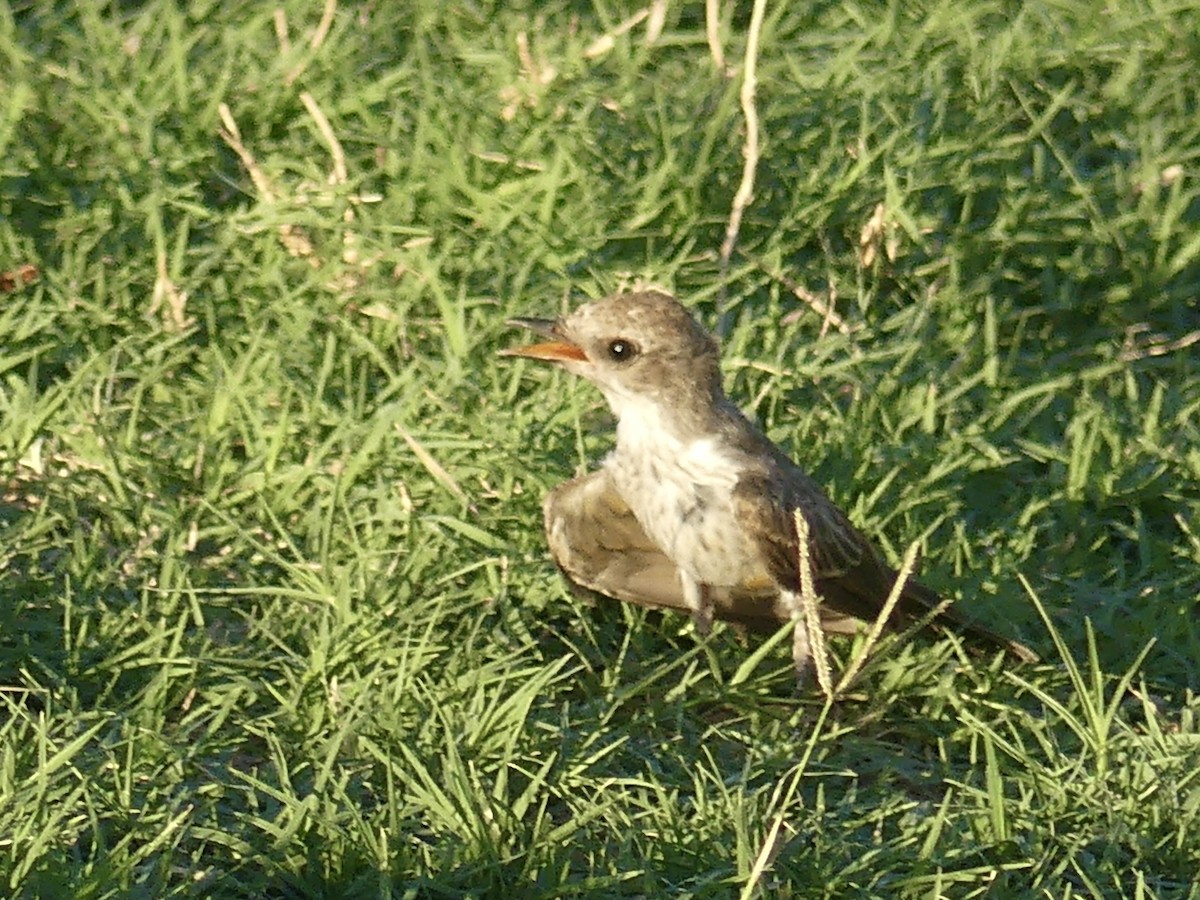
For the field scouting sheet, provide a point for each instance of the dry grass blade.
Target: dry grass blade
(314, 43)
(433, 466)
(1157, 344)
(824, 308)
(881, 620)
(232, 136)
(658, 19)
(168, 294)
(607, 41)
(750, 150)
(811, 609)
(281, 31)
(870, 239)
(767, 853)
(292, 238)
(712, 32)
(339, 173)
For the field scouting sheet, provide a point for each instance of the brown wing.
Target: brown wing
(599, 545)
(849, 576)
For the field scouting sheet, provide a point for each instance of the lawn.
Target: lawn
(277, 617)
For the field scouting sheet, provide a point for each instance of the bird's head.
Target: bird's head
(637, 347)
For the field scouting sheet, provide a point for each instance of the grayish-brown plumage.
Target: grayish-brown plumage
(694, 508)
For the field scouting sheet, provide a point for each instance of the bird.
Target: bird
(695, 508)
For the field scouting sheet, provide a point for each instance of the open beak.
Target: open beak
(554, 350)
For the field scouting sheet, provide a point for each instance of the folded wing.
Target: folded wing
(599, 545)
(848, 574)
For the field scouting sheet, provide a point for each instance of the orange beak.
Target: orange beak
(555, 350)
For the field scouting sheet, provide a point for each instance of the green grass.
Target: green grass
(255, 642)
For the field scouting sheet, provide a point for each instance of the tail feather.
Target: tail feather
(944, 616)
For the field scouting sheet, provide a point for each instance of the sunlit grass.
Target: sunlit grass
(276, 613)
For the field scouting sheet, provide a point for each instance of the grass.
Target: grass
(276, 613)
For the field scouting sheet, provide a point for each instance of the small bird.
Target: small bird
(695, 508)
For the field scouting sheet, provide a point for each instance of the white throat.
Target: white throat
(639, 420)
(643, 434)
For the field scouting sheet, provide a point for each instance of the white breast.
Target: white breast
(681, 494)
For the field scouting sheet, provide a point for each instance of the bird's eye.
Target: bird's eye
(622, 350)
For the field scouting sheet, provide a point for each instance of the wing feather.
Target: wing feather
(599, 546)
(848, 573)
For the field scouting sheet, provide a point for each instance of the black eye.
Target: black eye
(622, 350)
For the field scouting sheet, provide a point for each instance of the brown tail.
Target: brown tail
(942, 615)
